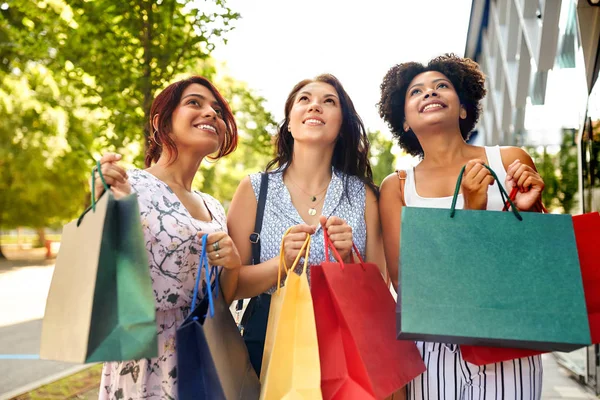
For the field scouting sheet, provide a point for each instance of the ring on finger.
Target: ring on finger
(216, 246)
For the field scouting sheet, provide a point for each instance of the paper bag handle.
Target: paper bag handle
(513, 196)
(305, 246)
(208, 273)
(329, 244)
(98, 169)
(503, 194)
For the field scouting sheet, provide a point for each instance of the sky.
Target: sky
(277, 43)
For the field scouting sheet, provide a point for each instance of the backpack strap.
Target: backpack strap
(401, 174)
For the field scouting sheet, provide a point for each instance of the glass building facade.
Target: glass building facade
(541, 63)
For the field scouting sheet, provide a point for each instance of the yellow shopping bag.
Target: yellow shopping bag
(291, 367)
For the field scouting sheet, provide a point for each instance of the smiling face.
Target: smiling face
(432, 101)
(316, 114)
(197, 122)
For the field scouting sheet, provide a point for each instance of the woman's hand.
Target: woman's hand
(114, 176)
(340, 234)
(475, 182)
(529, 183)
(293, 241)
(221, 250)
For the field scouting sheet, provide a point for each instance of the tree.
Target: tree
(559, 172)
(256, 127)
(42, 174)
(380, 155)
(117, 53)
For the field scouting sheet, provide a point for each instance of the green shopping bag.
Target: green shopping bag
(100, 305)
(490, 278)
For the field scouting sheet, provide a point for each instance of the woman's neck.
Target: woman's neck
(443, 148)
(310, 170)
(180, 172)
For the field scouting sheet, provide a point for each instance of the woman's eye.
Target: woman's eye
(194, 102)
(218, 111)
(415, 91)
(330, 101)
(443, 85)
(303, 98)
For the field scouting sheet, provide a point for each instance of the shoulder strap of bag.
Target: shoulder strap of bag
(260, 211)
(255, 236)
(402, 180)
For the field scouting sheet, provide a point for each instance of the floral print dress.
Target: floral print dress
(173, 251)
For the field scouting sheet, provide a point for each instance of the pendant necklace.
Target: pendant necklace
(312, 210)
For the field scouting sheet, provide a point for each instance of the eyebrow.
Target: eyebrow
(214, 103)
(434, 81)
(327, 95)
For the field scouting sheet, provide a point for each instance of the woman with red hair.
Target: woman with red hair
(190, 121)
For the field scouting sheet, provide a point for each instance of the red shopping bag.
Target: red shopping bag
(355, 319)
(587, 230)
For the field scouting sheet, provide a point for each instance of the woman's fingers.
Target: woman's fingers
(110, 157)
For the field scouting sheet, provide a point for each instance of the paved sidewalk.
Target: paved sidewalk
(559, 384)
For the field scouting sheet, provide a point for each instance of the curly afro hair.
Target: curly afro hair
(466, 77)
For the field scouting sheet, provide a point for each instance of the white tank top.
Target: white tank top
(412, 198)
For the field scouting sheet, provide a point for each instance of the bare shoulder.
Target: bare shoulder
(245, 190)
(371, 197)
(390, 181)
(390, 188)
(512, 153)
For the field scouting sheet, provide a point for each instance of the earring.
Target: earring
(463, 113)
(153, 137)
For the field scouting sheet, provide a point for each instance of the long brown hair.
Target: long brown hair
(351, 151)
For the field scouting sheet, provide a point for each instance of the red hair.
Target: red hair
(166, 102)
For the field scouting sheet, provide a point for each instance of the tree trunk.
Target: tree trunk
(41, 237)
(2, 256)
(147, 86)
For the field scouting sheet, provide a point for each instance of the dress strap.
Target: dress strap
(401, 174)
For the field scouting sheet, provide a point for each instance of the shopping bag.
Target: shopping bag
(587, 232)
(100, 305)
(355, 315)
(490, 278)
(212, 360)
(290, 368)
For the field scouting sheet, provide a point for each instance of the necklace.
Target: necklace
(313, 197)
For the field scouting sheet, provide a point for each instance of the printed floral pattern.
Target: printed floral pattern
(173, 250)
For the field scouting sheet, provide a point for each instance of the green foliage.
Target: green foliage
(255, 146)
(559, 171)
(381, 157)
(78, 78)
(118, 54)
(40, 171)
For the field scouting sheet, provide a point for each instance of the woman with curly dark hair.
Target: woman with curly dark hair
(431, 110)
(319, 179)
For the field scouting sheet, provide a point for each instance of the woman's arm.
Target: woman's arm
(252, 280)
(240, 224)
(375, 252)
(390, 210)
